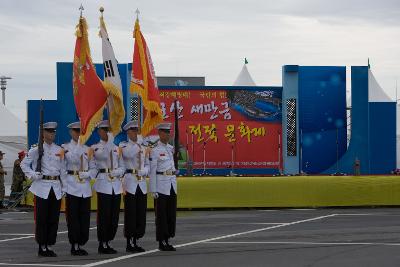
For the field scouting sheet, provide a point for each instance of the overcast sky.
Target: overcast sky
(200, 38)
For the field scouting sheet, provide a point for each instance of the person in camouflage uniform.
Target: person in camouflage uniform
(2, 173)
(18, 176)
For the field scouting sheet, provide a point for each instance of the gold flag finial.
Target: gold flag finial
(137, 13)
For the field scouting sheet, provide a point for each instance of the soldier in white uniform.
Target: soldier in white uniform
(78, 189)
(136, 165)
(46, 187)
(108, 171)
(163, 187)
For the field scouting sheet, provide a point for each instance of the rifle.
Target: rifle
(176, 137)
(41, 139)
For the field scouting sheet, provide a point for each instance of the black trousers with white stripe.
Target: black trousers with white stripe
(47, 214)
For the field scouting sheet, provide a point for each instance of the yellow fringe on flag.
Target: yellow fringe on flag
(82, 32)
(117, 114)
(98, 116)
(150, 106)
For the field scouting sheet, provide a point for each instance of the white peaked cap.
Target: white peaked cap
(103, 124)
(131, 124)
(74, 125)
(50, 125)
(164, 126)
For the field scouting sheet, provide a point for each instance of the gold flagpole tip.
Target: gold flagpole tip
(137, 13)
(101, 9)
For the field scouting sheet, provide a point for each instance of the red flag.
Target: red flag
(144, 83)
(89, 94)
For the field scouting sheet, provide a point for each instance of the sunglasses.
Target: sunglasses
(165, 131)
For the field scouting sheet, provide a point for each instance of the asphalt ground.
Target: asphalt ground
(286, 237)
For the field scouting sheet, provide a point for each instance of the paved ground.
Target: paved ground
(323, 237)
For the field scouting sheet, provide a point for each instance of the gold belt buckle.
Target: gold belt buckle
(79, 179)
(110, 178)
(169, 172)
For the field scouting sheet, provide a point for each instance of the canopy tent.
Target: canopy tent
(12, 139)
(244, 78)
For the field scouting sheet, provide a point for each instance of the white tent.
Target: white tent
(12, 140)
(377, 94)
(10, 124)
(244, 78)
(375, 91)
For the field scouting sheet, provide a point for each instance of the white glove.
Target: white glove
(115, 173)
(176, 172)
(63, 191)
(84, 175)
(142, 173)
(37, 176)
(155, 195)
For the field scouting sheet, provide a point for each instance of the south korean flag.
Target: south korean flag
(113, 79)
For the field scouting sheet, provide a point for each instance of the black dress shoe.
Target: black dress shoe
(171, 248)
(102, 250)
(75, 252)
(111, 250)
(43, 253)
(82, 252)
(139, 249)
(162, 246)
(130, 248)
(51, 253)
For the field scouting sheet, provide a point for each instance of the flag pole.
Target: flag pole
(101, 9)
(81, 9)
(139, 113)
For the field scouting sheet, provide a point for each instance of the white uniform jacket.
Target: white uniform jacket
(162, 160)
(52, 165)
(130, 153)
(76, 160)
(102, 154)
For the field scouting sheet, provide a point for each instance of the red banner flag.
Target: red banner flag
(89, 93)
(144, 83)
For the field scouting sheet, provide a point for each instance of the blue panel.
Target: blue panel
(322, 117)
(65, 99)
(382, 137)
(359, 142)
(290, 81)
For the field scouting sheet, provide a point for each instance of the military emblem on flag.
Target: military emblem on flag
(90, 97)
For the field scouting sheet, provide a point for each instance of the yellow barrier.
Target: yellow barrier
(294, 191)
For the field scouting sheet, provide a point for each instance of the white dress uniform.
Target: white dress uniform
(79, 191)
(102, 161)
(136, 162)
(108, 171)
(162, 169)
(164, 188)
(72, 184)
(46, 187)
(130, 156)
(52, 166)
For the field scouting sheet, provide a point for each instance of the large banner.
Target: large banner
(227, 128)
